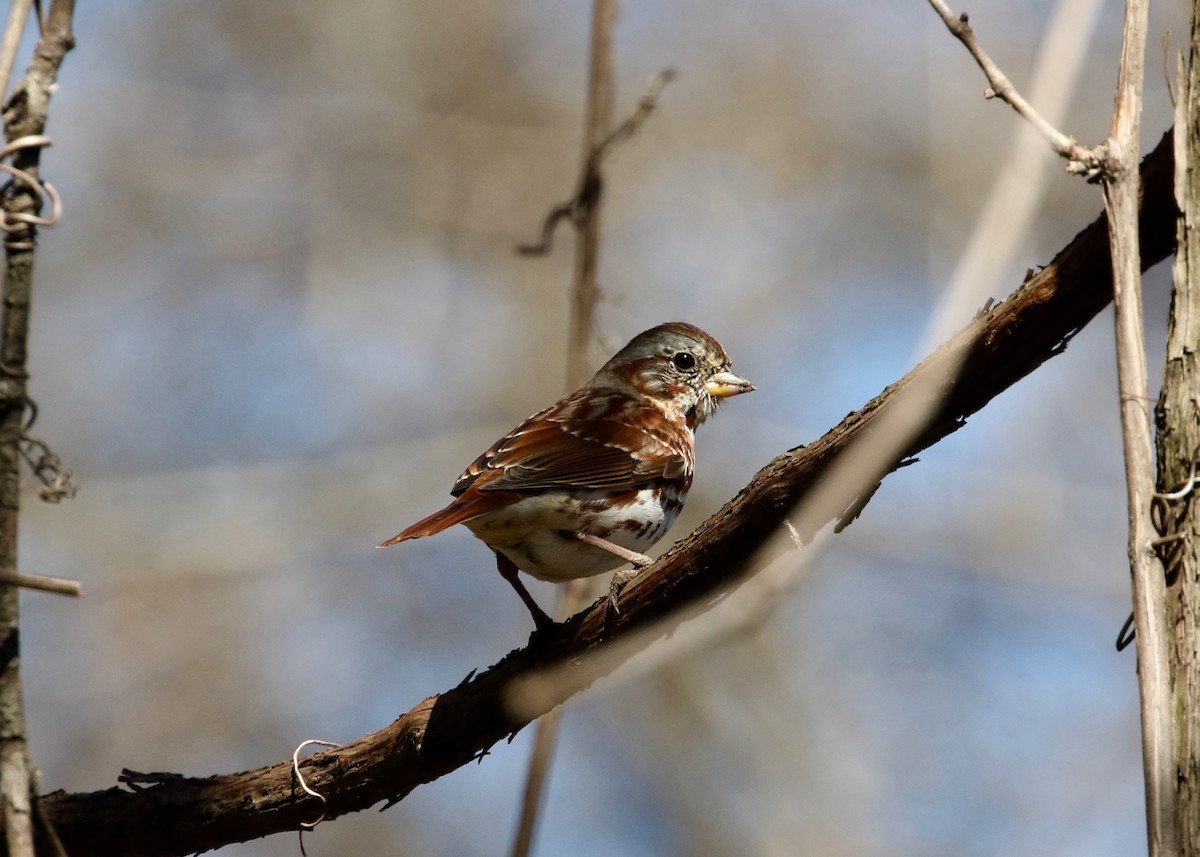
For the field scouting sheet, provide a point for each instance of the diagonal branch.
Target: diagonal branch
(1080, 159)
(169, 814)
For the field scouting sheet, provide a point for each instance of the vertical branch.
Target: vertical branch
(1177, 515)
(584, 295)
(24, 115)
(1122, 183)
(597, 124)
(1115, 163)
(14, 29)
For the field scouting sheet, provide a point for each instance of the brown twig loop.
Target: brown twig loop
(27, 142)
(57, 482)
(1187, 487)
(1169, 544)
(37, 219)
(19, 224)
(1126, 635)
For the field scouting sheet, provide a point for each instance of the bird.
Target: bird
(591, 482)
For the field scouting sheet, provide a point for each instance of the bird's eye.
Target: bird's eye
(684, 361)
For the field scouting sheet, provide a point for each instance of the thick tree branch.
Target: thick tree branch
(1177, 512)
(170, 814)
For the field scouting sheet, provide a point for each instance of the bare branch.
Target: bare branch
(646, 106)
(14, 29)
(1121, 193)
(590, 185)
(1114, 162)
(1080, 159)
(25, 115)
(57, 585)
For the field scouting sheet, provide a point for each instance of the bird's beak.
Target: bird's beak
(726, 384)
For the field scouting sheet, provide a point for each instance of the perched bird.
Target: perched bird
(595, 479)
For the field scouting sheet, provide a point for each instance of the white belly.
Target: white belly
(538, 533)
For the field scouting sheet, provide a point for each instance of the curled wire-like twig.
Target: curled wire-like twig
(1126, 635)
(1187, 486)
(309, 825)
(19, 224)
(1170, 541)
(57, 482)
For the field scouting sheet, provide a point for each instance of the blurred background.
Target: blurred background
(284, 311)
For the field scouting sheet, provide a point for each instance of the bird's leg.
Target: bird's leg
(508, 570)
(637, 560)
(620, 578)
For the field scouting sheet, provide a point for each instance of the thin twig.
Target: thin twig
(630, 126)
(575, 595)
(42, 583)
(1010, 208)
(589, 187)
(14, 29)
(1080, 159)
(1166, 45)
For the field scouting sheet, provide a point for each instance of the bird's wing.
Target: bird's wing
(566, 446)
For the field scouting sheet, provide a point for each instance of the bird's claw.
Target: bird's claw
(619, 581)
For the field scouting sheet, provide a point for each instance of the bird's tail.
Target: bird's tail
(456, 513)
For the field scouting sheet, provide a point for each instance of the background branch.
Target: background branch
(179, 815)
(14, 30)
(581, 331)
(1121, 187)
(25, 115)
(1114, 163)
(1079, 158)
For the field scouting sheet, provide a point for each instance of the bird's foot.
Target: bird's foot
(620, 580)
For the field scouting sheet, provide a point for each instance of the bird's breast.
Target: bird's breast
(538, 533)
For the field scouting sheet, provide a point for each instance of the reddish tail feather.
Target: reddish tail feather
(462, 509)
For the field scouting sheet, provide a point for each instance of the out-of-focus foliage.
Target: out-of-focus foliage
(284, 311)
